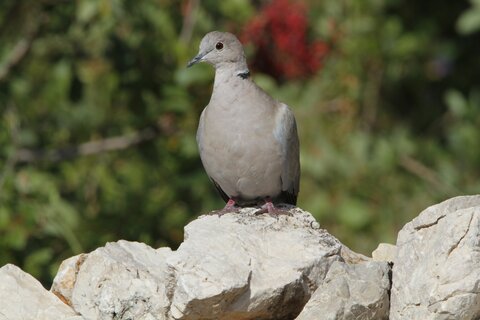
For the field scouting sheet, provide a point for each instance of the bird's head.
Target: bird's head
(220, 48)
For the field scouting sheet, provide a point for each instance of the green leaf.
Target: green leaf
(86, 10)
(469, 21)
(456, 102)
(354, 213)
(4, 217)
(35, 262)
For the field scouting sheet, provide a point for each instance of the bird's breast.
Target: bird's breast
(239, 151)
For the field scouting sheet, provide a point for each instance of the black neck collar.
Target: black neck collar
(244, 74)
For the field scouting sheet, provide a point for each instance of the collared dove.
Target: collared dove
(248, 141)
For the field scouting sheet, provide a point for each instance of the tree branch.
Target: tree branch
(189, 21)
(419, 169)
(18, 52)
(87, 148)
(12, 119)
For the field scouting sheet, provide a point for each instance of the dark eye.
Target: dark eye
(219, 46)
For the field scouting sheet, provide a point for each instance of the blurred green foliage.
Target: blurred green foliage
(389, 126)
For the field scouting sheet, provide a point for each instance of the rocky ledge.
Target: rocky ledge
(244, 266)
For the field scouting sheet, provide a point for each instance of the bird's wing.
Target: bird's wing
(200, 133)
(286, 134)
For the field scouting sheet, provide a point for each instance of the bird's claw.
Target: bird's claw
(230, 207)
(271, 210)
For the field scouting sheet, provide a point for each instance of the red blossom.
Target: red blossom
(279, 35)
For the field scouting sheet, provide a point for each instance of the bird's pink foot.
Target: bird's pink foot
(229, 207)
(273, 211)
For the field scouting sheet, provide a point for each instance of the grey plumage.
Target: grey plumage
(248, 141)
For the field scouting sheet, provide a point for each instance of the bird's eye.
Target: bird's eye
(219, 46)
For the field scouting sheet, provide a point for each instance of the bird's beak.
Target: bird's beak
(196, 59)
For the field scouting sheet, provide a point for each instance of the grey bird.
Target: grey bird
(248, 141)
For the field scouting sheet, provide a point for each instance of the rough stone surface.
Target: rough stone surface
(351, 292)
(385, 252)
(237, 266)
(243, 266)
(23, 297)
(123, 280)
(437, 269)
(352, 257)
(66, 277)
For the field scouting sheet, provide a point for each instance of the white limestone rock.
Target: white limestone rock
(244, 266)
(66, 277)
(23, 297)
(351, 292)
(237, 266)
(437, 269)
(123, 280)
(352, 257)
(385, 252)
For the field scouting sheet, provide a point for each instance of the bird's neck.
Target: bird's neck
(230, 82)
(228, 71)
